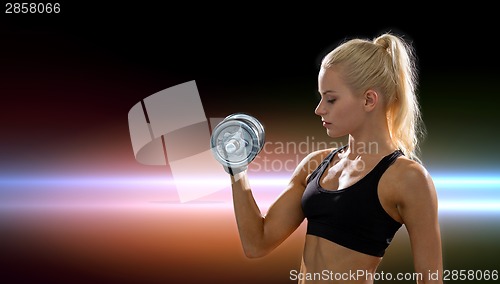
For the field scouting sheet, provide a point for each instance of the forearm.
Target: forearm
(249, 218)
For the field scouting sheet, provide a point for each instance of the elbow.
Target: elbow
(255, 251)
(254, 254)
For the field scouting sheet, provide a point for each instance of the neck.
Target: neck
(374, 141)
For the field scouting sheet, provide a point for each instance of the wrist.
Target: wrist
(240, 178)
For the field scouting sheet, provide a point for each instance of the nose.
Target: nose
(320, 109)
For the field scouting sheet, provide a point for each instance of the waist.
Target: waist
(324, 257)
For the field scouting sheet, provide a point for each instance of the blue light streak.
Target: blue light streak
(455, 193)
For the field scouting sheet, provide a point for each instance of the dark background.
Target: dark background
(68, 80)
(67, 75)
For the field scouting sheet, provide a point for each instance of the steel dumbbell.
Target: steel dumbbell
(236, 141)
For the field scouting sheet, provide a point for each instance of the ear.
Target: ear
(371, 99)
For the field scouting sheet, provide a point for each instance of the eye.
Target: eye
(331, 101)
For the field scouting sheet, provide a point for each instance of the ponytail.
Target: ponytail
(403, 110)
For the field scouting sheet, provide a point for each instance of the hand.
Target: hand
(234, 171)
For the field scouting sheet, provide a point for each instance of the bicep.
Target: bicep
(285, 215)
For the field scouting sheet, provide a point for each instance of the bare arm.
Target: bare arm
(418, 208)
(261, 234)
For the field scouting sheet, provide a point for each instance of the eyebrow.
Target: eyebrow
(327, 92)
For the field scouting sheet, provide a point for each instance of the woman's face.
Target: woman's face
(339, 108)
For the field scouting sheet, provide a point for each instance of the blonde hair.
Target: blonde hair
(387, 65)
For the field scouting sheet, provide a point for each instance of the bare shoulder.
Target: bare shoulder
(410, 180)
(309, 163)
(409, 171)
(316, 157)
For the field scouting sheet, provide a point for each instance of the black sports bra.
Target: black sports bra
(352, 217)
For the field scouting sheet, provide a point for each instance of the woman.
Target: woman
(362, 193)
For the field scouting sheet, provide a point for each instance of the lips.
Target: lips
(325, 124)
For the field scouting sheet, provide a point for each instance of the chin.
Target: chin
(333, 134)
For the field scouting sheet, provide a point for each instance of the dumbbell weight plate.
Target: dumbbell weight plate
(237, 140)
(245, 145)
(259, 129)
